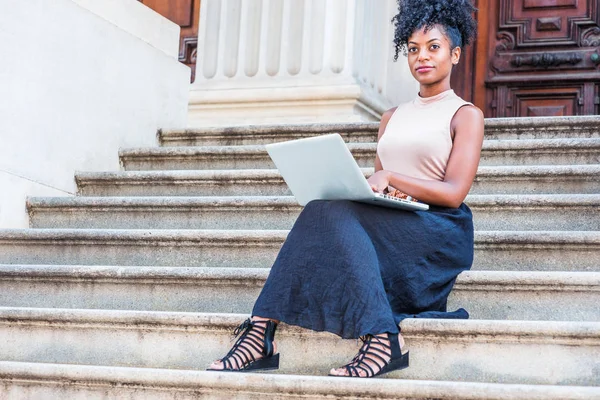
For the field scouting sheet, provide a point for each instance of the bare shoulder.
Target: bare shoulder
(468, 119)
(385, 118)
(388, 114)
(468, 114)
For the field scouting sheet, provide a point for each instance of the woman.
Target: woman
(357, 270)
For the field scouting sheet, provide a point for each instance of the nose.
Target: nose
(423, 54)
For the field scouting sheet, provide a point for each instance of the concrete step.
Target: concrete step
(491, 212)
(495, 128)
(541, 152)
(531, 352)
(545, 296)
(262, 134)
(26, 381)
(494, 152)
(494, 250)
(582, 179)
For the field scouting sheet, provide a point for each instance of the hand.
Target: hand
(379, 181)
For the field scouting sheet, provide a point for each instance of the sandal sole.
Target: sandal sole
(264, 364)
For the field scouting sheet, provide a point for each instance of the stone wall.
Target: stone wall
(79, 80)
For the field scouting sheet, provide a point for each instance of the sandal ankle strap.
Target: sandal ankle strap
(395, 345)
(269, 337)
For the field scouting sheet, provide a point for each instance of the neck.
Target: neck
(435, 88)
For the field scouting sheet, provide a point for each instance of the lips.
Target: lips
(424, 68)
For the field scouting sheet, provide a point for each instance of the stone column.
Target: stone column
(296, 61)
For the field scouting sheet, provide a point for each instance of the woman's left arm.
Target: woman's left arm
(467, 126)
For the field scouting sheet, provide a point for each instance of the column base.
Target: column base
(283, 105)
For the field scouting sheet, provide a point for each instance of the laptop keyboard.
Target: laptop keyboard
(387, 196)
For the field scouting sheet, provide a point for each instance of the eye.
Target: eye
(435, 47)
(412, 49)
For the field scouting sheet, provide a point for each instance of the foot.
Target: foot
(250, 347)
(371, 358)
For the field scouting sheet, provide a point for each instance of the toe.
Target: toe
(216, 365)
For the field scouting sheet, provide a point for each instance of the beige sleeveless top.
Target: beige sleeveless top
(417, 139)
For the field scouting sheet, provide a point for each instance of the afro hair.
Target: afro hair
(455, 16)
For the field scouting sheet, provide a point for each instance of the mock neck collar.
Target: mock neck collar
(424, 101)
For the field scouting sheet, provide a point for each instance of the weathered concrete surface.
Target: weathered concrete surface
(549, 296)
(262, 134)
(495, 128)
(490, 212)
(494, 250)
(26, 381)
(83, 45)
(566, 179)
(469, 350)
(519, 295)
(543, 127)
(537, 179)
(494, 152)
(567, 151)
(536, 225)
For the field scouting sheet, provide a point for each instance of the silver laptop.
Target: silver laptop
(322, 168)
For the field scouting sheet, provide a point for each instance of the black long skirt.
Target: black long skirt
(354, 269)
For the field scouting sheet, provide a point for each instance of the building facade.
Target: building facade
(531, 57)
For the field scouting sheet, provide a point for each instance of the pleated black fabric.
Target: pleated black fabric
(354, 269)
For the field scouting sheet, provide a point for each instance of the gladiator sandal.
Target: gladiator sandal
(253, 335)
(377, 356)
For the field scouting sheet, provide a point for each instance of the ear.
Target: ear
(455, 56)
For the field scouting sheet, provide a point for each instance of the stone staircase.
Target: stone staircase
(132, 288)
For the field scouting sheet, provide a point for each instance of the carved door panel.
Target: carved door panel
(543, 58)
(184, 13)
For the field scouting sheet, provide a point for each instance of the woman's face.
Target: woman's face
(429, 56)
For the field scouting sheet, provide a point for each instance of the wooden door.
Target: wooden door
(534, 58)
(186, 14)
